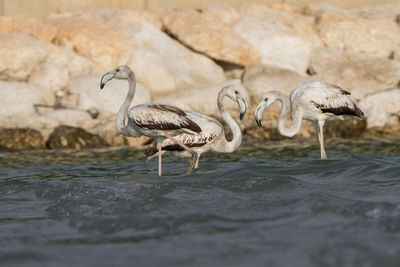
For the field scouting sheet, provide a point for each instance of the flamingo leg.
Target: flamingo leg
(196, 164)
(321, 139)
(188, 149)
(159, 160)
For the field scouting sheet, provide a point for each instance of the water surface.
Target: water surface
(269, 204)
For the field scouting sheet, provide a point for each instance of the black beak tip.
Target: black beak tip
(258, 123)
(101, 85)
(241, 116)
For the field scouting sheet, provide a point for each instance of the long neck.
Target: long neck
(283, 119)
(123, 110)
(228, 146)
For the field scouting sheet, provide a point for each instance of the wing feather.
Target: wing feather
(329, 98)
(161, 117)
(211, 130)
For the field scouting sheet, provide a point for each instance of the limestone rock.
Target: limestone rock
(23, 58)
(84, 90)
(208, 36)
(163, 65)
(102, 44)
(64, 58)
(287, 7)
(27, 25)
(69, 117)
(325, 13)
(221, 12)
(65, 137)
(20, 53)
(373, 37)
(50, 76)
(121, 18)
(303, 25)
(24, 138)
(21, 98)
(384, 11)
(382, 108)
(355, 72)
(278, 44)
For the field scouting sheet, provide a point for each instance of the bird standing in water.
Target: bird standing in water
(212, 137)
(316, 102)
(153, 120)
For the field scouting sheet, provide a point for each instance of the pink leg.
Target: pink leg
(188, 149)
(159, 160)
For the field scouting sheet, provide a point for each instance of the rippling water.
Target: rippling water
(269, 204)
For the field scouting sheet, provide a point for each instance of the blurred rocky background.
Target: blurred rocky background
(183, 52)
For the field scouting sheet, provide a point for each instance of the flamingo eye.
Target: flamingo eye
(266, 99)
(236, 92)
(117, 70)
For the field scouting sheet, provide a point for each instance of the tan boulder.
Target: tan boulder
(206, 35)
(49, 75)
(163, 65)
(27, 25)
(325, 13)
(67, 59)
(26, 58)
(303, 25)
(21, 98)
(105, 46)
(287, 7)
(121, 18)
(373, 37)
(382, 109)
(221, 12)
(278, 44)
(384, 11)
(353, 71)
(20, 53)
(60, 64)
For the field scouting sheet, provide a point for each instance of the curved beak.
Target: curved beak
(242, 105)
(259, 111)
(106, 77)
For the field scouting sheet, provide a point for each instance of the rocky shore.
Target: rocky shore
(50, 70)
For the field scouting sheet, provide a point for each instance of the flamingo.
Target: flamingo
(153, 120)
(316, 102)
(212, 137)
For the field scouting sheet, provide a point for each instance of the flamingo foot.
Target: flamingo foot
(193, 161)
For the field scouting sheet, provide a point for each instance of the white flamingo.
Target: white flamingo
(212, 137)
(315, 101)
(153, 120)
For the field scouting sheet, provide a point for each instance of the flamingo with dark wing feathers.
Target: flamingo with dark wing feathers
(212, 137)
(157, 121)
(316, 102)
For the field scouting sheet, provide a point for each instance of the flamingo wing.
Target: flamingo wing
(329, 98)
(211, 130)
(162, 117)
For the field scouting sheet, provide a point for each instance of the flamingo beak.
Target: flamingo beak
(106, 77)
(242, 105)
(259, 111)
